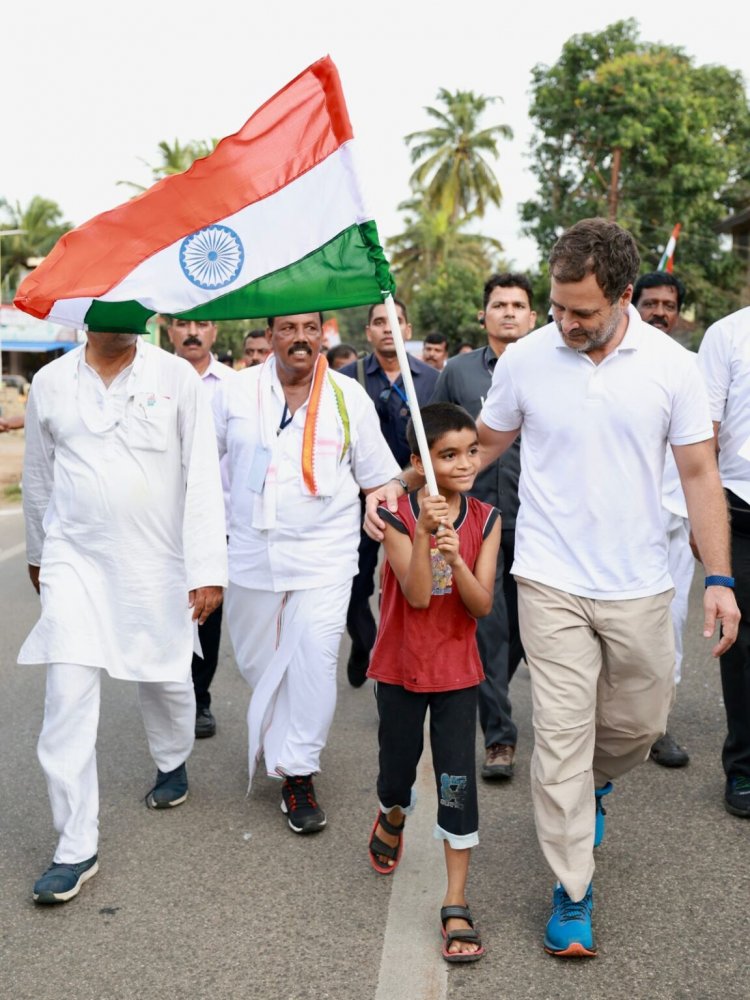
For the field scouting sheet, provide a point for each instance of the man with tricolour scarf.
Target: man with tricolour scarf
(301, 441)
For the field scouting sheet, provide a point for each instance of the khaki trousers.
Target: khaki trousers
(602, 681)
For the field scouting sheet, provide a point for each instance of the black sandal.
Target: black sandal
(380, 849)
(470, 934)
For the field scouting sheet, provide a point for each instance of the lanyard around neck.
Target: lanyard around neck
(391, 386)
(286, 418)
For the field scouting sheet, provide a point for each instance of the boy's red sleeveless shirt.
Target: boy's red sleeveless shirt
(434, 648)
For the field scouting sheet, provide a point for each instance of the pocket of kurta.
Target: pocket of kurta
(148, 433)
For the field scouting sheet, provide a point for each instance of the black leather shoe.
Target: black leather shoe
(205, 724)
(356, 667)
(667, 753)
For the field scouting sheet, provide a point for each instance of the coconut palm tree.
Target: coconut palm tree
(451, 156)
(175, 159)
(430, 240)
(42, 226)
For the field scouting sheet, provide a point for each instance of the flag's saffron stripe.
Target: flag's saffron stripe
(349, 270)
(296, 129)
(311, 424)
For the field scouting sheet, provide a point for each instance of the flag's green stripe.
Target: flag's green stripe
(117, 317)
(350, 270)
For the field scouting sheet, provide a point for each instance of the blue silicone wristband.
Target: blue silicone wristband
(720, 581)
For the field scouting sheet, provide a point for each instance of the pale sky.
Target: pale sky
(91, 87)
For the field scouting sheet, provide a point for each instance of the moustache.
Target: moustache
(300, 346)
(191, 342)
(659, 321)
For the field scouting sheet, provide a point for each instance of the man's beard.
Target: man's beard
(596, 339)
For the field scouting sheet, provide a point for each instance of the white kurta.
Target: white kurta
(315, 538)
(124, 514)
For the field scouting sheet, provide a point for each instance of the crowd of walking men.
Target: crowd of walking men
(598, 437)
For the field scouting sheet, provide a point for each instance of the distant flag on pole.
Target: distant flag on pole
(273, 219)
(667, 258)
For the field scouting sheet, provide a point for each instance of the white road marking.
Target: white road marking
(13, 551)
(411, 965)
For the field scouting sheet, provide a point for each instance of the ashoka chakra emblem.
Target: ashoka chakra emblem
(212, 257)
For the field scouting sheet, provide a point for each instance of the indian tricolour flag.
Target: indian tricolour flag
(272, 222)
(667, 258)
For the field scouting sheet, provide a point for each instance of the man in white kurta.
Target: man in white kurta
(126, 544)
(301, 441)
(193, 340)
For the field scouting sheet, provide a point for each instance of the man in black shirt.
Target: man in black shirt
(507, 316)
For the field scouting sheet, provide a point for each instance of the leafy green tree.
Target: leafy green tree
(451, 157)
(448, 302)
(440, 269)
(42, 223)
(636, 132)
(174, 159)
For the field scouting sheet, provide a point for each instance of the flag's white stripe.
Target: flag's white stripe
(274, 232)
(70, 312)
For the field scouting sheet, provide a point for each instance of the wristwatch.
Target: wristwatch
(401, 482)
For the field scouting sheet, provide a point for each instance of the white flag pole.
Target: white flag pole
(411, 396)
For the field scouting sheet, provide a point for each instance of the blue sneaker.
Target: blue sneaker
(601, 812)
(171, 789)
(62, 881)
(737, 796)
(569, 933)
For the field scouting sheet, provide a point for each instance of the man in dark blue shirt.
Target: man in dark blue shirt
(380, 375)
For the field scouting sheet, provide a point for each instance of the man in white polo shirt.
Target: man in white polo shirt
(193, 341)
(598, 397)
(724, 359)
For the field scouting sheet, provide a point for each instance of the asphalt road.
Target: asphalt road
(219, 899)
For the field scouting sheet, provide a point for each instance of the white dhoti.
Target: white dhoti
(67, 747)
(286, 646)
(681, 569)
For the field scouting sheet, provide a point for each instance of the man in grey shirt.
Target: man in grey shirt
(506, 316)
